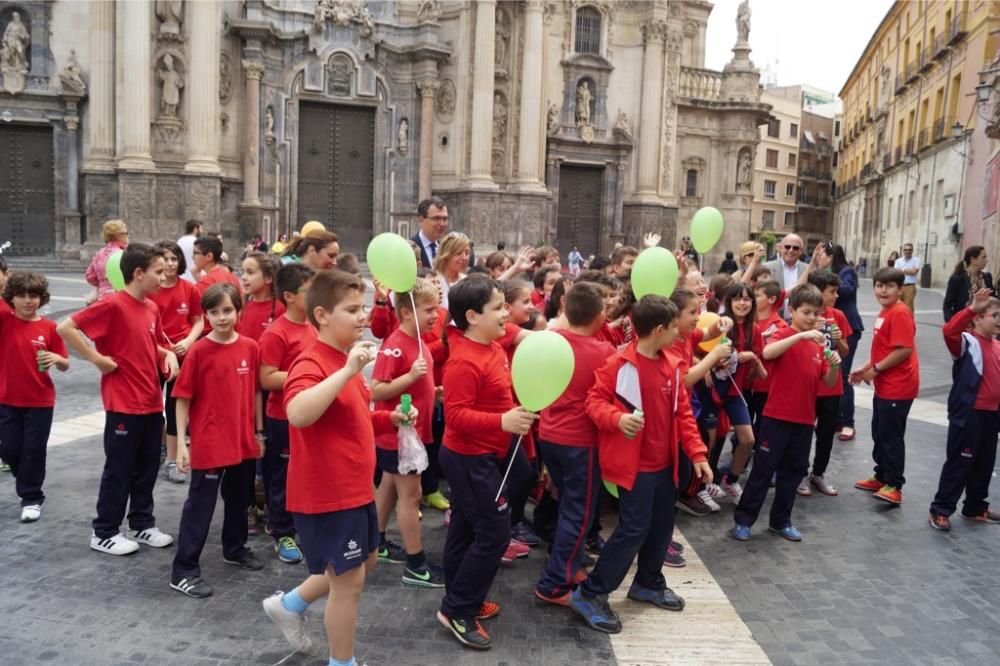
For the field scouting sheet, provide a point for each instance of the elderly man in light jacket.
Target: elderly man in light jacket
(787, 269)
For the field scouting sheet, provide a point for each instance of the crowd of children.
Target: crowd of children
(648, 411)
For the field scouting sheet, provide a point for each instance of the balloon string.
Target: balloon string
(738, 391)
(509, 465)
(416, 322)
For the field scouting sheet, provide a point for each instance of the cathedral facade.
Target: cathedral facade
(586, 122)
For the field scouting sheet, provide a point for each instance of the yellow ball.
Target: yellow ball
(311, 227)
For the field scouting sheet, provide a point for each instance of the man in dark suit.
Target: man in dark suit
(432, 213)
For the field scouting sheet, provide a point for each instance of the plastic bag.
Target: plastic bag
(412, 454)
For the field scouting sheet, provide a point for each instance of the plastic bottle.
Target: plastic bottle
(41, 366)
(827, 354)
(405, 402)
(638, 413)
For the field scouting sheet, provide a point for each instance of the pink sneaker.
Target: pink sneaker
(515, 550)
(447, 518)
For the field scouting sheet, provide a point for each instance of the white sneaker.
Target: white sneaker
(292, 625)
(714, 491)
(819, 482)
(707, 500)
(30, 513)
(804, 488)
(116, 545)
(734, 490)
(173, 474)
(152, 537)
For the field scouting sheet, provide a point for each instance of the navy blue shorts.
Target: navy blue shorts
(737, 411)
(388, 461)
(343, 539)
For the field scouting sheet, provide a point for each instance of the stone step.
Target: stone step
(46, 264)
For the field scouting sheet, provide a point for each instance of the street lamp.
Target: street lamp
(983, 91)
(957, 130)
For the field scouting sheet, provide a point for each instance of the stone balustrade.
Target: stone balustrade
(700, 83)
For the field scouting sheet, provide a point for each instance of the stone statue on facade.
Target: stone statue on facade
(444, 102)
(172, 83)
(622, 124)
(14, 54)
(583, 98)
(503, 35)
(552, 119)
(403, 137)
(743, 22)
(429, 11)
(343, 13)
(70, 78)
(170, 14)
(269, 125)
(499, 118)
(744, 176)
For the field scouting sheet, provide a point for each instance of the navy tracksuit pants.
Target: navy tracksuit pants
(478, 534)
(971, 455)
(575, 472)
(196, 518)
(645, 526)
(888, 432)
(275, 472)
(783, 448)
(24, 439)
(131, 464)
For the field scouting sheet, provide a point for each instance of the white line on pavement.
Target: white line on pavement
(78, 427)
(925, 411)
(56, 278)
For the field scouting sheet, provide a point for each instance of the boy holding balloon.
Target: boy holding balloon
(642, 411)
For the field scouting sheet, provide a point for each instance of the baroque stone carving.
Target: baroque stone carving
(743, 22)
(444, 102)
(170, 14)
(269, 125)
(225, 78)
(70, 78)
(499, 118)
(622, 123)
(552, 118)
(340, 72)
(224, 122)
(343, 13)
(172, 82)
(584, 96)
(744, 172)
(428, 11)
(502, 41)
(254, 69)
(654, 31)
(14, 54)
(403, 137)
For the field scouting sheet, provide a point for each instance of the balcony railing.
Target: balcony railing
(942, 128)
(909, 146)
(824, 176)
(806, 146)
(866, 171)
(700, 83)
(923, 138)
(824, 150)
(926, 59)
(901, 83)
(887, 161)
(957, 28)
(911, 71)
(898, 155)
(940, 47)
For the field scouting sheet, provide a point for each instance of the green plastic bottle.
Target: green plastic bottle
(405, 402)
(41, 366)
(638, 413)
(827, 354)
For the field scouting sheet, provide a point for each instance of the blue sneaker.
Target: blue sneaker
(287, 550)
(596, 613)
(524, 533)
(789, 532)
(741, 532)
(665, 598)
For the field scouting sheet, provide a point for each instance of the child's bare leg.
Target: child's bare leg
(408, 511)
(385, 500)
(342, 609)
(171, 448)
(744, 445)
(314, 587)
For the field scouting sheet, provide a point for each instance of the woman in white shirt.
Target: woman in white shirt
(451, 262)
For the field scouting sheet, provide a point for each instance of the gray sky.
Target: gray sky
(816, 42)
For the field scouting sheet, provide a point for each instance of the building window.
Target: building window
(692, 183)
(792, 158)
(789, 189)
(770, 186)
(767, 220)
(774, 127)
(772, 159)
(836, 128)
(789, 220)
(588, 30)
(793, 130)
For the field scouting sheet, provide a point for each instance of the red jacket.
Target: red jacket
(618, 455)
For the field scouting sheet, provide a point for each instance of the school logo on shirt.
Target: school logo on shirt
(352, 552)
(243, 369)
(120, 430)
(39, 342)
(765, 445)
(395, 353)
(966, 453)
(182, 309)
(501, 504)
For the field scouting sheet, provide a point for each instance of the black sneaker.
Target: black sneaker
(595, 545)
(390, 551)
(245, 559)
(469, 634)
(587, 562)
(193, 587)
(430, 575)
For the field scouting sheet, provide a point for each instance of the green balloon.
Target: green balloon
(541, 370)
(113, 271)
(706, 229)
(391, 261)
(611, 488)
(654, 272)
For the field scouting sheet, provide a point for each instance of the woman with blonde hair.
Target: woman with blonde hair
(752, 254)
(115, 238)
(451, 262)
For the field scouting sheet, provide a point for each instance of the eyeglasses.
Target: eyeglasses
(793, 247)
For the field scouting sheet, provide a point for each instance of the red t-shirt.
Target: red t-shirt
(768, 327)
(740, 377)
(834, 316)
(894, 328)
(565, 421)
(180, 307)
(129, 331)
(21, 384)
(221, 382)
(217, 274)
(613, 335)
(988, 397)
(477, 393)
(538, 300)
(257, 316)
(795, 376)
(280, 345)
(332, 461)
(4, 307)
(397, 354)
(657, 449)
(506, 341)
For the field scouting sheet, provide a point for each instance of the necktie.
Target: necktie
(433, 247)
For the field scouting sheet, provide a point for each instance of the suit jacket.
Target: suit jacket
(777, 268)
(424, 259)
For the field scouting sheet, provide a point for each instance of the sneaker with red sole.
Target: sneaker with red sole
(557, 600)
(988, 516)
(579, 577)
(871, 484)
(515, 550)
(939, 522)
(488, 610)
(889, 494)
(469, 634)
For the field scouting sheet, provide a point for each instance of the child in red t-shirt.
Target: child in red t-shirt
(480, 417)
(180, 311)
(332, 463)
(798, 367)
(544, 279)
(263, 302)
(280, 345)
(895, 370)
(227, 436)
(29, 348)
(568, 444)
(639, 453)
(207, 255)
(768, 294)
(836, 330)
(130, 351)
(405, 365)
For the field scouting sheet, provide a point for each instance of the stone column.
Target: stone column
(481, 171)
(72, 164)
(101, 101)
(251, 141)
(653, 36)
(137, 98)
(203, 88)
(428, 90)
(531, 96)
